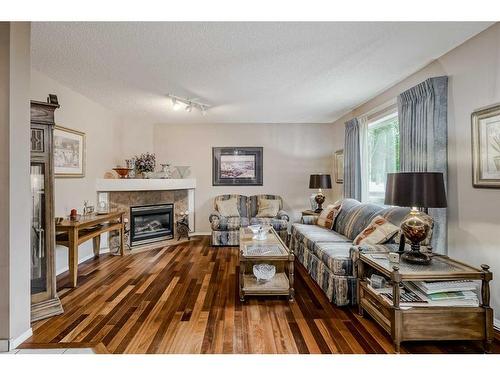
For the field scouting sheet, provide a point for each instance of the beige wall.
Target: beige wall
(291, 153)
(474, 82)
(99, 125)
(14, 183)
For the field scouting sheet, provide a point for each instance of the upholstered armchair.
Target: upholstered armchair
(226, 229)
(278, 222)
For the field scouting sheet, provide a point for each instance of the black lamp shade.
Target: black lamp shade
(320, 181)
(415, 189)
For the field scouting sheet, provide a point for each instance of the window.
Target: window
(382, 154)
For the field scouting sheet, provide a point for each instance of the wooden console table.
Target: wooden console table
(426, 323)
(73, 233)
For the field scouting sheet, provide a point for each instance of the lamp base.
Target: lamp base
(416, 257)
(320, 199)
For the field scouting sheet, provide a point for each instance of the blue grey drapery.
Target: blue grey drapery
(352, 160)
(422, 112)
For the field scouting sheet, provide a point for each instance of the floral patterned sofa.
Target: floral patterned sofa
(226, 230)
(329, 255)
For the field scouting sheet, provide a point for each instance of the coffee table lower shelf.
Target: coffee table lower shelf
(279, 285)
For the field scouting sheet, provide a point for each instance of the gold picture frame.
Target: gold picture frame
(486, 147)
(69, 153)
(339, 166)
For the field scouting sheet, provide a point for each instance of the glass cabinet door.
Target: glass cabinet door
(38, 240)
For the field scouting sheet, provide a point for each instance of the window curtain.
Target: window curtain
(363, 143)
(352, 160)
(422, 112)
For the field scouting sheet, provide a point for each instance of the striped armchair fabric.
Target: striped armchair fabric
(329, 255)
(226, 230)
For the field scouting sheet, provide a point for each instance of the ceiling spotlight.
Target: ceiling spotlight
(189, 104)
(175, 104)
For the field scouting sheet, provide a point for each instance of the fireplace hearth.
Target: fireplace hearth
(151, 223)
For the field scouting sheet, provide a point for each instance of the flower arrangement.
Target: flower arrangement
(145, 163)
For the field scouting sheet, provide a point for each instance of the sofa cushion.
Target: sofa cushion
(277, 224)
(354, 217)
(268, 207)
(241, 202)
(228, 207)
(230, 223)
(336, 256)
(310, 234)
(379, 230)
(253, 203)
(327, 217)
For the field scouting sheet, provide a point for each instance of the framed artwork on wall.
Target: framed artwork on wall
(69, 152)
(237, 166)
(486, 147)
(339, 166)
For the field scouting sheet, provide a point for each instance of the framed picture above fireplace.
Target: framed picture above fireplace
(237, 166)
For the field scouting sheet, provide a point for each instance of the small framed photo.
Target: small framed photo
(486, 147)
(237, 166)
(339, 166)
(69, 152)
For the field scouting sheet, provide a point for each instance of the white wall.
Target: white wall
(15, 297)
(474, 82)
(100, 126)
(291, 153)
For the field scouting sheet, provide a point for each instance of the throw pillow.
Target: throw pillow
(327, 217)
(228, 207)
(268, 207)
(379, 230)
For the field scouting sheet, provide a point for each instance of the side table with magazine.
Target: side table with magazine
(445, 300)
(266, 265)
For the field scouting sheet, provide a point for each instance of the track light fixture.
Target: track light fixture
(189, 104)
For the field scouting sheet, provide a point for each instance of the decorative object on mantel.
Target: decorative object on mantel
(182, 226)
(131, 166)
(183, 171)
(339, 166)
(240, 166)
(69, 152)
(122, 172)
(166, 171)
(486, 147)
(320, 181)
(415, 189)
(145, 164)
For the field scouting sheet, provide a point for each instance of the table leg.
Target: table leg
(122, 237)
(73, 257)
(96, 244)
(242, 270)
(291, 279)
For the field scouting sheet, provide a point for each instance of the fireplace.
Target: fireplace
(151, 223)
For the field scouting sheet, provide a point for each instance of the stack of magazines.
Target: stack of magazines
(435, 293)
(445, 293)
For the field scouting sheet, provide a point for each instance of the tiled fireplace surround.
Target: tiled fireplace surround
(123, 195)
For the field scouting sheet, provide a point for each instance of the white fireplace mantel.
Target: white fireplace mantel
(146, 184)
(105, 186)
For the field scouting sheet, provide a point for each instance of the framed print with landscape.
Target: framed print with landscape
(339, 166)
(69, 152)
(241, 166)
(486, 147)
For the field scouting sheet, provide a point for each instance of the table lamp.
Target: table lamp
(415, 190)
(320, 181)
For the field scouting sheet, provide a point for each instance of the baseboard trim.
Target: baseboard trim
(90, 256)
(15, 342)
(194, 234)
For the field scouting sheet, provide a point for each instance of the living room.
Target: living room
(242, 188)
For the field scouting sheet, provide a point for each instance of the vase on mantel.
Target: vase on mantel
(147, 175)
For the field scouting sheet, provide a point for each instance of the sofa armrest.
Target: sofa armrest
(214, 215)
(309, 219)
(283, 215)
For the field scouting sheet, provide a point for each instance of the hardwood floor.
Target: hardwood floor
(184, 299)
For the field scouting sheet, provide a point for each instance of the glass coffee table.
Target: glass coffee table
(271, 250)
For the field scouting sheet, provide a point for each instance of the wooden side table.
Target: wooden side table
(431, 322)
(74, 233)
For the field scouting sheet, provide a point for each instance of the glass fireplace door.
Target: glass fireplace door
(39, 263)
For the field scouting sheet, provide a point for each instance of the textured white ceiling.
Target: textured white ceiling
(249, 72)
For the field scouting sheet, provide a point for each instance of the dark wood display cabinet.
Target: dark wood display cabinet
(44, 299)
